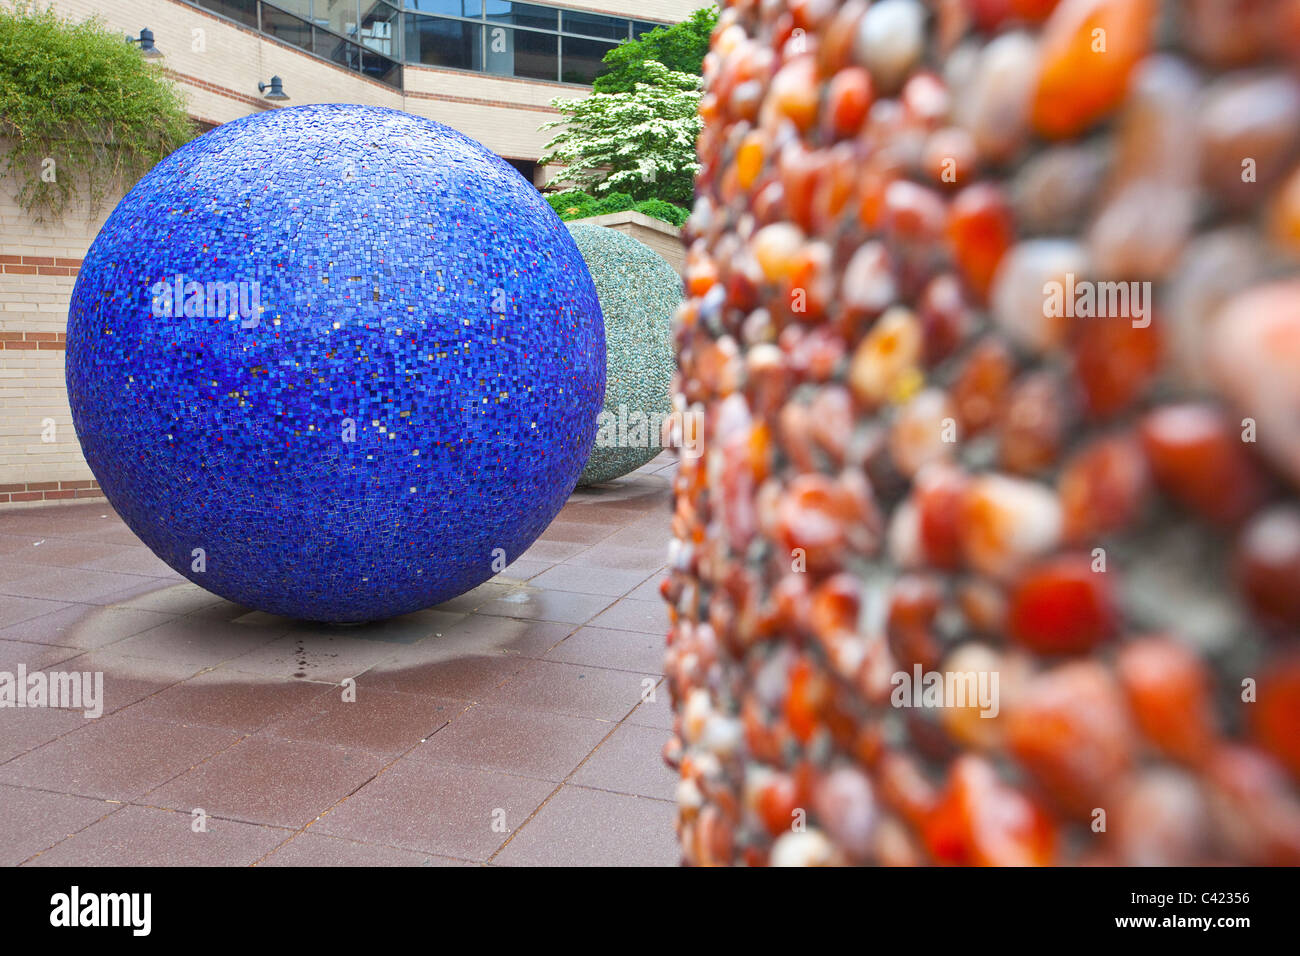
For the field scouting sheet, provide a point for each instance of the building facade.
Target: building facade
(488, 68)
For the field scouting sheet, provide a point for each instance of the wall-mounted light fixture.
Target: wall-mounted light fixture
(145, 39)
(273, 90)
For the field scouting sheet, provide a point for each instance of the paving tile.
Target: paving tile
(572, 577)
(552, 550)
(575, 531)
(228, 699)
(66, 552)
(581, 827)
(514, 740)
(651, 535)
(183, 598)
(451, 811)
(406, 629)
(25, 728)
(317, 658)
(613, 649)
(655, 711)
(475, 598)
(565, 607)
(137, 560)
(194, 641)
(265, 779)
(14, 610)
(115, 757)
(85, 626)
(148, 836)
(32, 656)
(310, 848)
(630, 761)
(379, 721)
(488, 634)
(86, 586)
(632, 615)
(463, 678)
(648, 590)
(582, 690)
(34, 820)
(128, 679)
(525, 569)
(616, 556)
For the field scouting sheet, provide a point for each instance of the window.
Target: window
(435, 42)
(379, 27)
(523, 14)
(582, 59)
(299, 8)
(339, 16)
(448, 8)
(595, 25)
(286, 28)
(523, 53)
(241, 11)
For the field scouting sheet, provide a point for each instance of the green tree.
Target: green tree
(641, 141)
(80, 109)
(680, 48)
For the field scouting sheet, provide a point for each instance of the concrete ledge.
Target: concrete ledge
(663, 237)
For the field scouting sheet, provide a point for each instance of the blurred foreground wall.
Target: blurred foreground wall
(994, 324)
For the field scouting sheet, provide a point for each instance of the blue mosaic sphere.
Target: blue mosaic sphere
(335, 362)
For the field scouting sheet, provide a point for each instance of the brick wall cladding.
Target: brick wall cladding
(38, 262)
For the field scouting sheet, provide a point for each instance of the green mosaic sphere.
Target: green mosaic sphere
(638, 292)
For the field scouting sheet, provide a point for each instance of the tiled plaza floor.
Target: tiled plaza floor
(507, 726)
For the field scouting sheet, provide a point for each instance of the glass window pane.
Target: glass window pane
(522, 14)
(451, 8)
(337, 15)
(582, 59)
(299, 8)
(379, 27)
(435, 42)
(242, 11)
(595, 25)
(286, 28)
(641, 27)
(381, 68)
(521, 53)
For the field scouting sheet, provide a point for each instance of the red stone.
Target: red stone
(1062, 606)
(980, 231)
(1276, 712)
(1268, 566)
(1199, 460)
(1102, 487)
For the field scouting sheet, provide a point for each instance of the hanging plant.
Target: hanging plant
(81, 111)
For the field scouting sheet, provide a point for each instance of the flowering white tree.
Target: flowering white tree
(640, 142)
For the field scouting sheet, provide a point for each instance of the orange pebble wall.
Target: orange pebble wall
(993, 324)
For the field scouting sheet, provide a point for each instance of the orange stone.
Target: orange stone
(1168, 689)
(1089, 49)
(1276, 712)
(980, 231)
